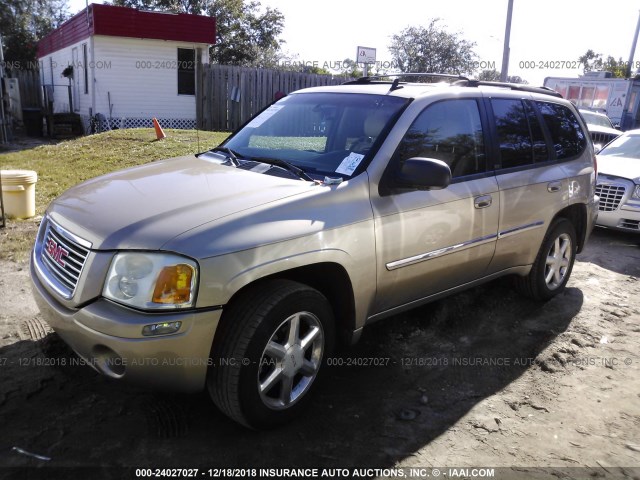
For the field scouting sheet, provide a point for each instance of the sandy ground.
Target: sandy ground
(482, 379)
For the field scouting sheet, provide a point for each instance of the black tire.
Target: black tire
(548, 278)
(262, 315)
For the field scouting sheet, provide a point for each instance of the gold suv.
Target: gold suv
(238, 269)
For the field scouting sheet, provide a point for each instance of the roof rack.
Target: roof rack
(460, 81)
(382, 78)
(513, 86)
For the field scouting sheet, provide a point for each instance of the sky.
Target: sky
(547, 36)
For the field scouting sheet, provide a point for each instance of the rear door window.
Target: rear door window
(540, 147)
(567, 136)
(514, 134)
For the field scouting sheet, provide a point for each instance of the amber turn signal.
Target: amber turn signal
(174, 285)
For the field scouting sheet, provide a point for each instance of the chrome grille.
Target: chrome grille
(63, 257)
(610, 196)
(603, 138)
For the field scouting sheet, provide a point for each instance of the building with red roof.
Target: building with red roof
(126, 65)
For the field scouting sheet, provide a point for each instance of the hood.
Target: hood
(619, 166)
(144, 207)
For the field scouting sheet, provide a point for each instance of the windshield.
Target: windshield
(324, 134)
(594, 119)
(623, 146)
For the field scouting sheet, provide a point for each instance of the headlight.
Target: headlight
(152, 280)
(636, 190)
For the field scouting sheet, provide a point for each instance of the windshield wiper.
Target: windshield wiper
(230, 154)
(276, 162)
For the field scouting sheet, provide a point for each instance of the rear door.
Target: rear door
(533, 138)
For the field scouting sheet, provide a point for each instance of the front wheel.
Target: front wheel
(268, 352)
(554, 263)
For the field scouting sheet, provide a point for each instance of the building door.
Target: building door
(75, 81)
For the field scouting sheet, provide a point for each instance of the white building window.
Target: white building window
(186, 71)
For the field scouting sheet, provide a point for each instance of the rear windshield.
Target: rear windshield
(321, 133)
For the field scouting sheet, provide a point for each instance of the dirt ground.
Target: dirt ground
(482, 379)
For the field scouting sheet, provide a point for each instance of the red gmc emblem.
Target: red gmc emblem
(56, 252)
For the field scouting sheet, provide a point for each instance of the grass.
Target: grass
(68, 163)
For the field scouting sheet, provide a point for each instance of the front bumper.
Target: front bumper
(109, 338)
(619, 210)
(625, 219)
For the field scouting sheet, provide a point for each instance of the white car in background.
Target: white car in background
(618, 184)
(600, 127)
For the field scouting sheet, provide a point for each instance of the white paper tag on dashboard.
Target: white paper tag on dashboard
(350, 163)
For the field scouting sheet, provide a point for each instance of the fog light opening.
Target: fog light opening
(108, 362)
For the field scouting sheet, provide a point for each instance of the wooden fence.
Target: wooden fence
(30, 90)
(226, 96)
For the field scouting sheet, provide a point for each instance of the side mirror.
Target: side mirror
(597, 148)
(423, 173)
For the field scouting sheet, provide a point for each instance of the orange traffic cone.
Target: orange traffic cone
(159, 132)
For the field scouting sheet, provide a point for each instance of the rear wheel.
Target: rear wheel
(268, 352)
(554, 263)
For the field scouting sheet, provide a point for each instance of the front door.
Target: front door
(430, 241)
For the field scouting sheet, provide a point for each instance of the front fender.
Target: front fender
(352, 247)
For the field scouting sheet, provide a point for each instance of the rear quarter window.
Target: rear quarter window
(567, 137)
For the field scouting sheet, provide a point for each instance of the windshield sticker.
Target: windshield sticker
(350, 163)
(264, 116)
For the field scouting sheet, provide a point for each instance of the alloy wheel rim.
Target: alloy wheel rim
(558, 261)
(291, 360)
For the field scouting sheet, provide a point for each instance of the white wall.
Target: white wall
(51, 67)
(140, 75)
(142, 78)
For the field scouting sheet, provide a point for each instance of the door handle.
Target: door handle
(554, 187)
(483, 202)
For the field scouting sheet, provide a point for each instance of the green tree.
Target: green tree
(246, 34)
(516, 79)
(593, 62)
(293, 63)
(23, 23)
(589, 60)
(432, 49)
(350, 68)
(493, 75)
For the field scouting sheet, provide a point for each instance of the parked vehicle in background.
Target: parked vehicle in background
(239, 269)
(600, 128)
(599, 91)
(618, 183)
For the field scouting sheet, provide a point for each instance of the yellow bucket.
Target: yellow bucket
(19, 193)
